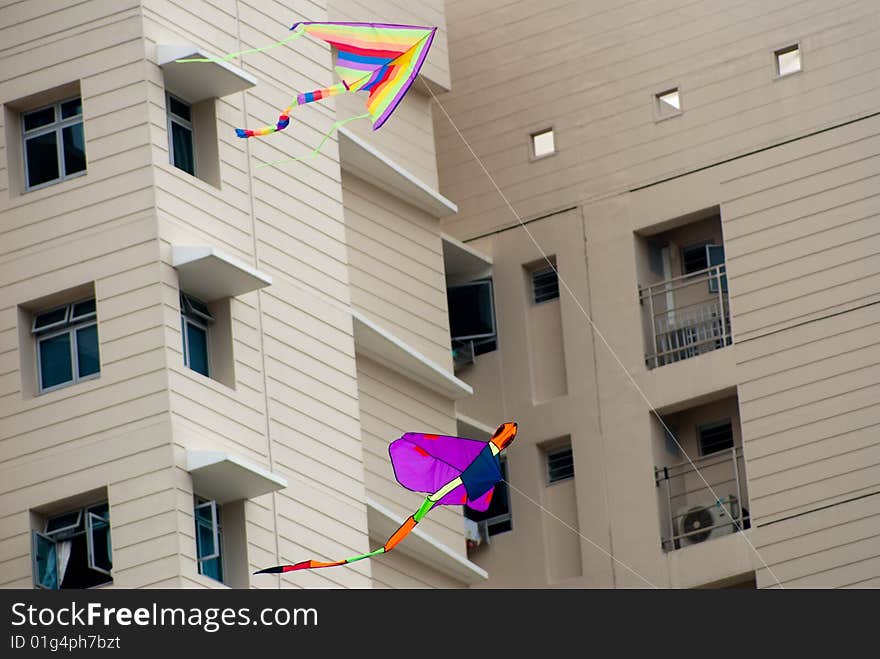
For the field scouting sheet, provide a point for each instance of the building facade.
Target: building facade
(703, 176)
(204, 360)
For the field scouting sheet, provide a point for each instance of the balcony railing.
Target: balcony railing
(686, 316)
(689, 512)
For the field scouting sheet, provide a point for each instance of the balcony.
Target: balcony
(686, 316)
(691, 513)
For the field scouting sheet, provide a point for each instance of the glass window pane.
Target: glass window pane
(45, 562)
(205, 539)
(470, 311)
(179, 108)
(212, 568)
(100, 552)
(87, 350)
(67, 522)
(182, 148)
(197, 339)
(74, 149)
(84, 308)
(50, 318)
(55, 366)
(39, 118)
(42, 159)
(71, 108)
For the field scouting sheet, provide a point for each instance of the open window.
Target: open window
(472, 317)
(209, 538)
(73, 549)
(195, 319)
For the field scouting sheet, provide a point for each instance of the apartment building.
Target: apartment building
(202, 360)
(698, 390)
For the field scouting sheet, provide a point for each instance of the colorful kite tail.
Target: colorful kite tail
(284, 119)
(390, 544)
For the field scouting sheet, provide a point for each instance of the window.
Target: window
(194, 321)
(694, 258)
(543, 143)
(54, 144)
(497, 517)
(545, 285)
(209, 538)
(181, 145)
(667, 103)
(560, 464)
(67, 345)
(74, 549)
(699, 257)
(472, 315)
(788, 60)
(715, 437)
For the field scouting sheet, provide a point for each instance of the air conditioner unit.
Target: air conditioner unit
(696, 524)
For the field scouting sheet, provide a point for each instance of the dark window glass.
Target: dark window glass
(55, 366)
(179, 108)
(471, 313)
(74, 149)
(545, 285)
(42, 158)
(197, 339)
(84, 308)
(71, 108)
(560, 464)
(694, 259)
(182, 148)
(87, 350)
(716, 437)
(50, 318)
(39, 118)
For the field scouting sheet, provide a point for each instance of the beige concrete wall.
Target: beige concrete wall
(592, 70)
(396, 267)
(796, 218)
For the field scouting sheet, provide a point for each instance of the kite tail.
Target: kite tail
(284, 119)
(390, 544)
(315, 151)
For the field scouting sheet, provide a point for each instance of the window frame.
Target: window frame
(784, 50)
(86, 527)
(57, 126)
(663, 110)
(554, 270)
(200, 320)
(216, 531)
(537, 133)
(184, 123)
(728, 421)
(550, 452)
(69, 326)
(494, 323)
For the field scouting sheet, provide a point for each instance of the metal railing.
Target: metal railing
(688, 511)
(687, 316)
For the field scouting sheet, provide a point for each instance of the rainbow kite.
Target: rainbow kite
(379, 58)
(454, 470)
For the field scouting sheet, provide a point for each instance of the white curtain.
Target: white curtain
(63, 549)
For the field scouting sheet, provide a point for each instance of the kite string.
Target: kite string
(297, 33)
(570, 527)
(600, 334)
(336, 126)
